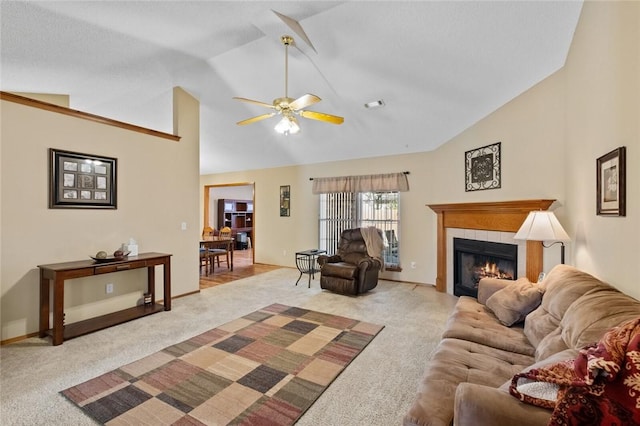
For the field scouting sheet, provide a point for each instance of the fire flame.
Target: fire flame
(491, 270)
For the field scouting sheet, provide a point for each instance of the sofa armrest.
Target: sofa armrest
(480, 405)
(488, 286)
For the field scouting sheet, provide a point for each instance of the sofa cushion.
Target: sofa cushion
(488, 286)
(584, 310)
(565, 355)
(563, 285)
(472, 321)
(512, 304)
(595, 313)
(551, 344)
(453, 362)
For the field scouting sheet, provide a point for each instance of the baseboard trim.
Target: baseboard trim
(30, 335)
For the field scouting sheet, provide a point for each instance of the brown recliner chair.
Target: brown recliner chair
(351, 270)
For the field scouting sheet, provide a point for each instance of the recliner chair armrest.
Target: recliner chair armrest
(322, 259)
(369, 262)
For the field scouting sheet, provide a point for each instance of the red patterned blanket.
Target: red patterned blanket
(600, 387)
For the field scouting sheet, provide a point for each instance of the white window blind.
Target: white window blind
(347, 210)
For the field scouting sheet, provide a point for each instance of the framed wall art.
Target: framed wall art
(611, 183)
(81, 181)
(482, 168)
(285, 200)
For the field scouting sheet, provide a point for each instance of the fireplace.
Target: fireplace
(474, 260)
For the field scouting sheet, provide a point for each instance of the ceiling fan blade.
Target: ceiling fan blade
(304, 101)
(251, 101)
(321, 116)
(254, 119)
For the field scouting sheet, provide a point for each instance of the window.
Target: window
(346, 210)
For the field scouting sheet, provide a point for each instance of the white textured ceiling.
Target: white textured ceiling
(438, 66)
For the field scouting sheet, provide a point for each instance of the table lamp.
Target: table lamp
(543, 226)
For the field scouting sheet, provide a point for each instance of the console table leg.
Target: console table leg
(58, 312)
(167, 283)
(44, 305)
(151, 282)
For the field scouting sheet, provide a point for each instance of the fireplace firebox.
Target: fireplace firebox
(474, 260)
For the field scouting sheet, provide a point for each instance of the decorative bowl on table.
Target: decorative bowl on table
(110, 258)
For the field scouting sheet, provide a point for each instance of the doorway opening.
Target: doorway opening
(232, 205)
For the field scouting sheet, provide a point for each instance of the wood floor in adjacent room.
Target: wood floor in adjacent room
(243, 267)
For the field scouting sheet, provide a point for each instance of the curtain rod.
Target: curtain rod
(405, 173)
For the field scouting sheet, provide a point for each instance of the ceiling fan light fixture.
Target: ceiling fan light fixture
(287, 126)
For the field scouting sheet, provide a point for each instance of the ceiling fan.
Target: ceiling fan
(288, 107)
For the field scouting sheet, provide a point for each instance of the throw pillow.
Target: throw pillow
(512, 304)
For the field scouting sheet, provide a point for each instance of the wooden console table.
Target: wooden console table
(57, 273)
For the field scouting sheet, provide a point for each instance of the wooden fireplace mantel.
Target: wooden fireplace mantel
(505, 216)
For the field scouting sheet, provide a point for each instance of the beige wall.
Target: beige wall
(157, 184)
(60, 100)
(603, 113)
(551, 136)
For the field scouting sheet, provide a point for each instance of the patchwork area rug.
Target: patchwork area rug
(265, 368)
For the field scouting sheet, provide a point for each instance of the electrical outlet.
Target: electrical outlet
(183, 226)
(413, 265)
(109, 288)
(284, 252)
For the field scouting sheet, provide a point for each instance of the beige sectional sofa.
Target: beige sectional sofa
(467, 378)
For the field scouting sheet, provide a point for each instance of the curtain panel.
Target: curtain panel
(366, 183)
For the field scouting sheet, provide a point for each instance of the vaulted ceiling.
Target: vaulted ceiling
(439, 67)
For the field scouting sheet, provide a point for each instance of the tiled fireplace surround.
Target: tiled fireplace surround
(483, 235)
(492, 221)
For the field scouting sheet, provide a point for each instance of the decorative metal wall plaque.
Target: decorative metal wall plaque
(482, 168)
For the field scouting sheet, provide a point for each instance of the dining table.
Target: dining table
(215, 241)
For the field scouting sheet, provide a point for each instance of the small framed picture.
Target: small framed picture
(482, 168)
(79, 180)
(611, 184)
(285, 200)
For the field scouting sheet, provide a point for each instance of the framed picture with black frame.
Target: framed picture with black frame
(285, 200)
(81, 181)
(611, 183)
(482, 168)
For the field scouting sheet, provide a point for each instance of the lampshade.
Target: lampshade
(541, 226)
(287, 126)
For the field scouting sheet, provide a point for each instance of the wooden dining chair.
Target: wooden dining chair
(205, 259)
(216, 253)
(225, 232)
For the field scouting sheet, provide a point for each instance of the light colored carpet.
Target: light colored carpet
(376, 389)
